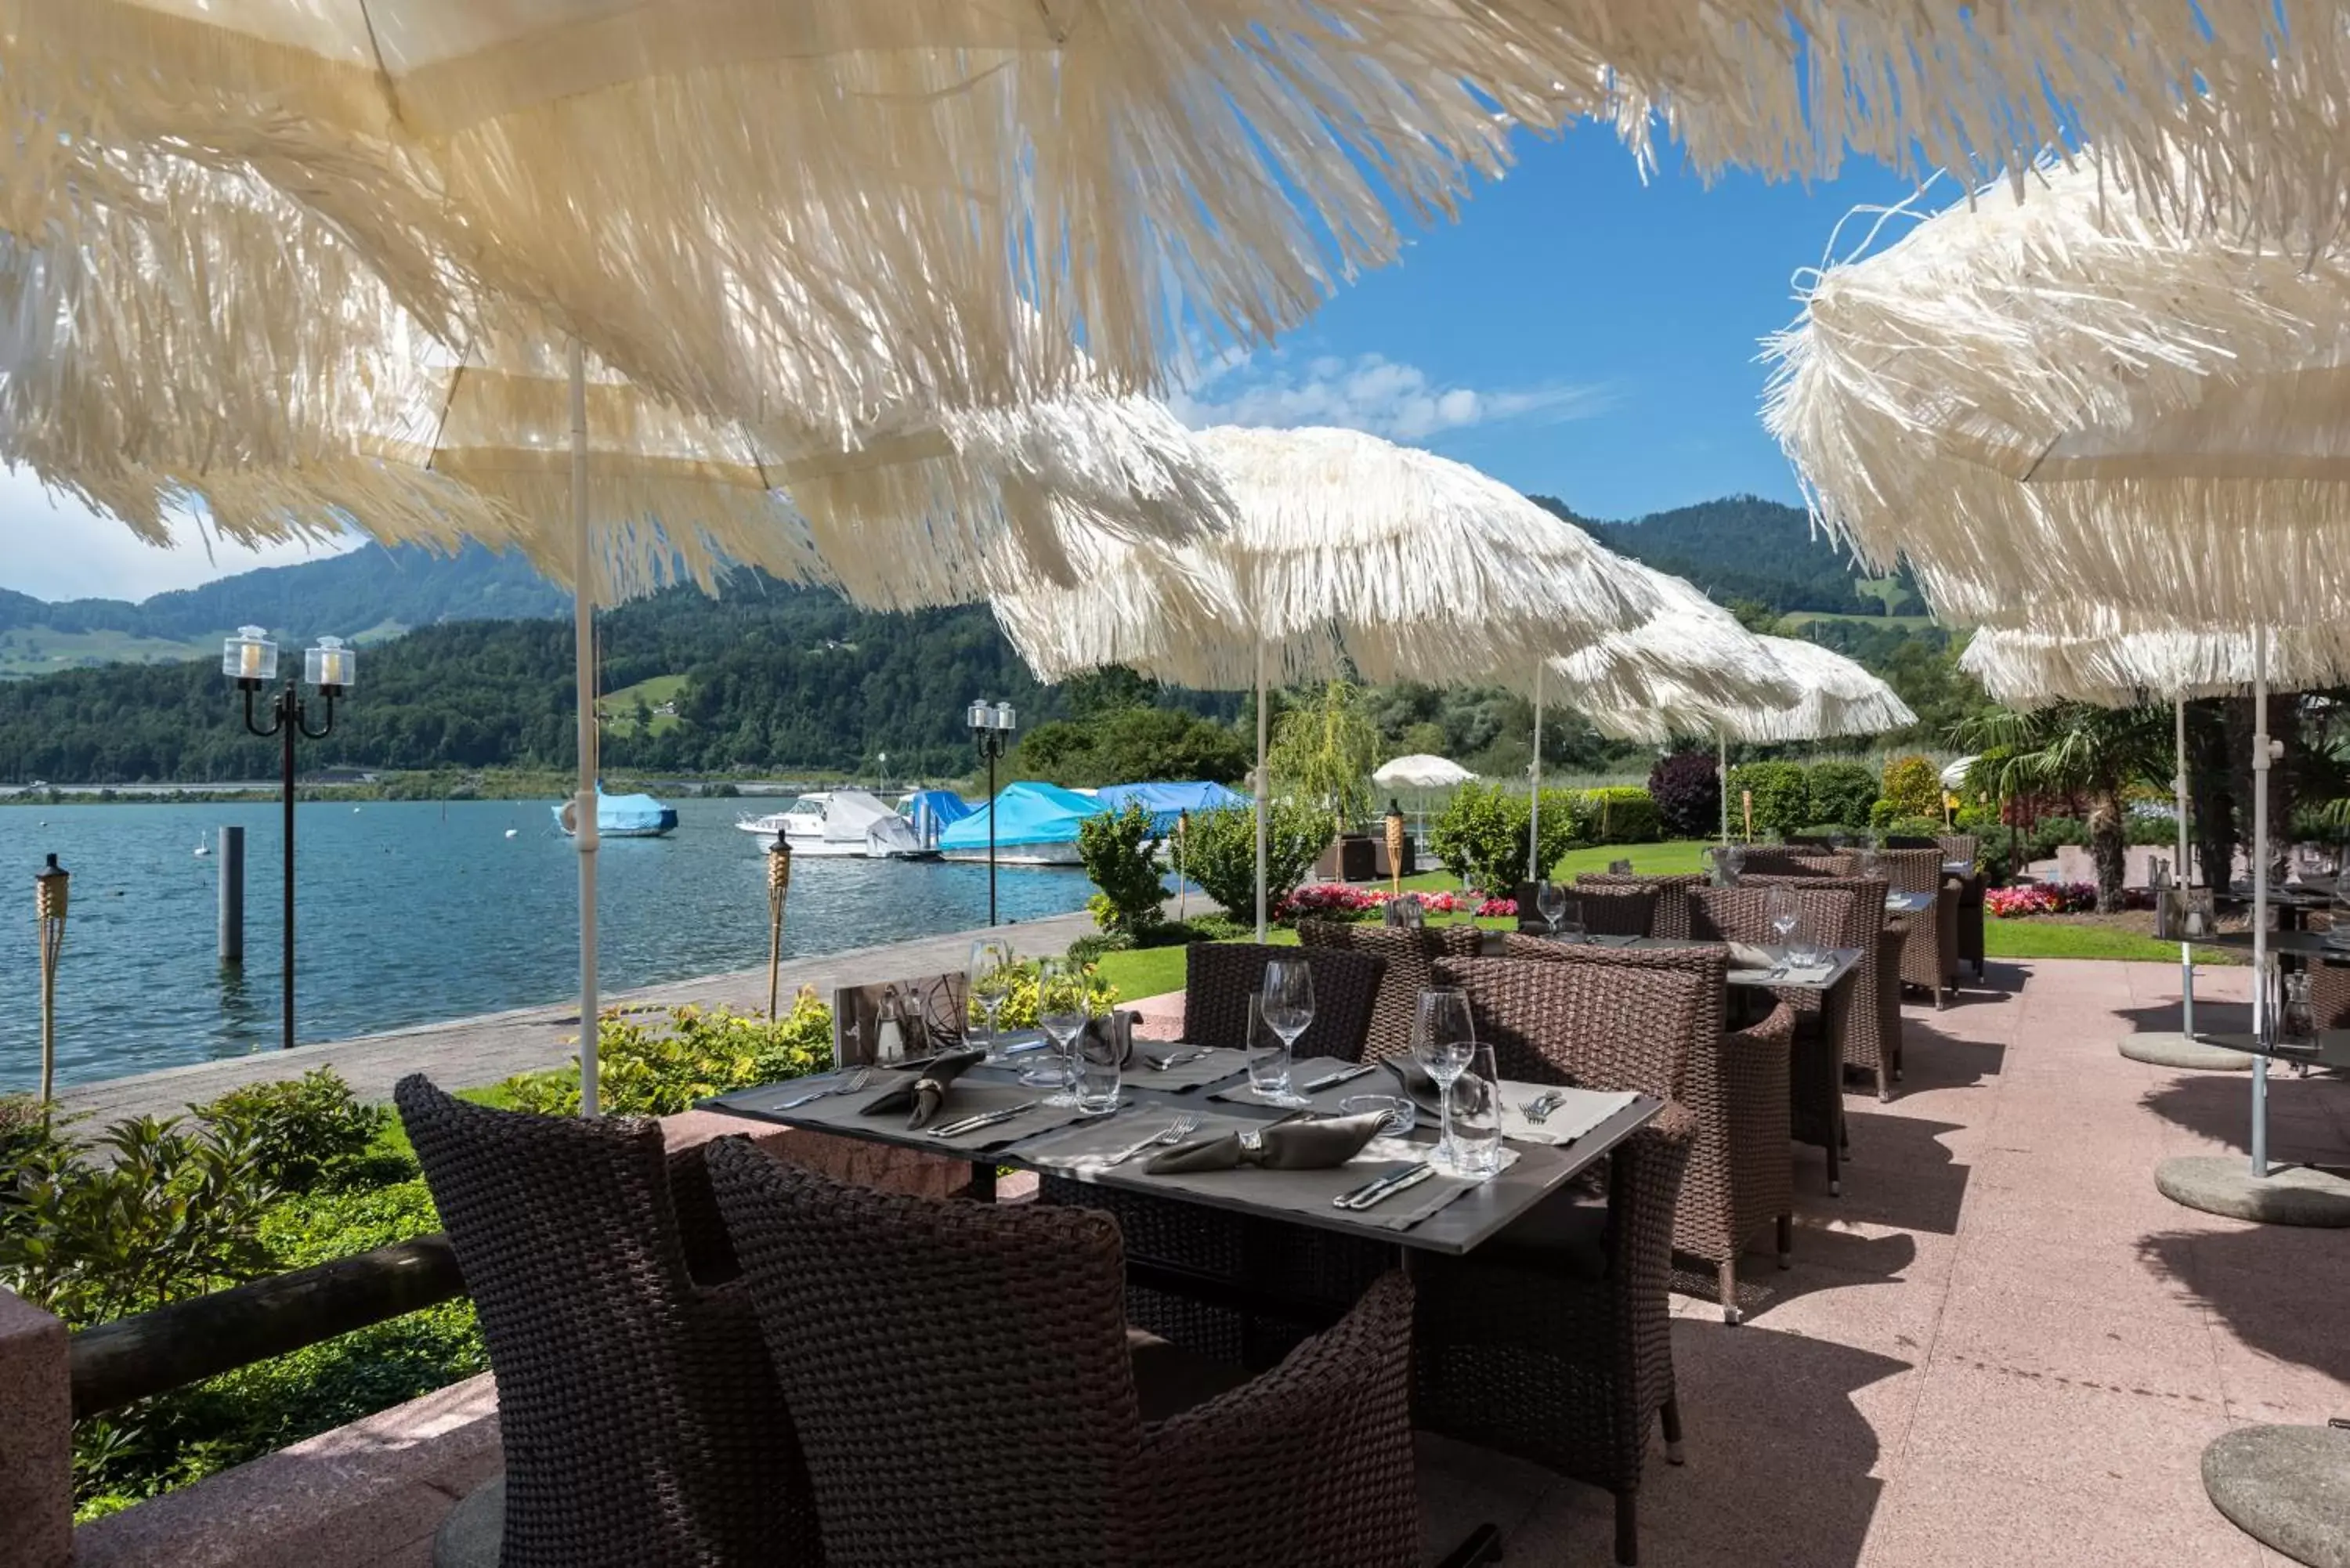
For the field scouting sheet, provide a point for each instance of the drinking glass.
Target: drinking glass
(1867, 863)
(1779, 909)
(1474, 1104)
(1550, 902)
(1288, 1007)
(1061, 1012)
(1442, 1038)
(1096, 1067)
(2297, 1019)
(1619, 867)
(991, 973)
(1805, 948)
(1268, 1056)
(1569, 924)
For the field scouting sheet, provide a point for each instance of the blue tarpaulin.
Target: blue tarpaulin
(1163, 801)
(933, 811)
(625, 815)
(1026, 813)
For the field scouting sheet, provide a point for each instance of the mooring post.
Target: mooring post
(232, 895)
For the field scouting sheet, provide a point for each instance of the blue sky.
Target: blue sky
(1576, 333)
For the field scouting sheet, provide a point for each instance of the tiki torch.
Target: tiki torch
(49, 885)
(1395, 846)
(779, 882)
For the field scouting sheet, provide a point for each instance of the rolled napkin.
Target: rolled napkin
(923, 1093)
(1282, 1146)
(1746, 955)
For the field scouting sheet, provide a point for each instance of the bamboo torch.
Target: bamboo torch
(1395, 847)
(779, 884)
(49, 884)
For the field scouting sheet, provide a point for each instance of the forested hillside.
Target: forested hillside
(1740, 549)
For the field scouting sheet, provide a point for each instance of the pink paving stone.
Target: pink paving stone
(1162, 1015)
(36, 1441)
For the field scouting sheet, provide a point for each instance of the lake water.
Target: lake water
(412, 912)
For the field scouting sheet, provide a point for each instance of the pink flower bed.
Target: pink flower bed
(1318, 899)
(2055, 899)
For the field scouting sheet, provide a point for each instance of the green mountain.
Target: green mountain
(1744, 549)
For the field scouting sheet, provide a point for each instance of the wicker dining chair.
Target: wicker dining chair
(1409, 954)
(1219, 978)
(1671, 914)
(1553, 1341)
(1966, 849)
(1872, 1031)
(638, 1418)
(1739, 1183)
(972, 1395)
(1786, 860)
(1930, 958)
(1606, 911)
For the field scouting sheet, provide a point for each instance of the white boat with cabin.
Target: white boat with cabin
(842, 822)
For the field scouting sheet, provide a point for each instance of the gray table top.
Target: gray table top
(1458, 1228)
(2333, 1048)
(1841, 960)
(2299, 944)
(1909, 903)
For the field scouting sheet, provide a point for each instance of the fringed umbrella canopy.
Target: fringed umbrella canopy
(1346, 554)
(1419, 770)
(1693, 649)
(1836, 698)
(2028, 668)
(2137, 377)
(709, 190)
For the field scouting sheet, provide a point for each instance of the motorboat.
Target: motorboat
(842, 821)
(620, 816)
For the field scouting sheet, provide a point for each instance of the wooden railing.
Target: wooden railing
(131, 1359)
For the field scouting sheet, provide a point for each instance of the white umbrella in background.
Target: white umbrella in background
(1346, 555)
(1419, 770)
(2046, 408)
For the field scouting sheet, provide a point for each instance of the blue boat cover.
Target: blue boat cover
(1163, 801)
(933, 811)
(1026, 813)
(625, 814)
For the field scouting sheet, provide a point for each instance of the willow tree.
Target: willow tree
(1323, 752)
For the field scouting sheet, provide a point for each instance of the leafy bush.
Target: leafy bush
(1480, 837)
(659, 1068)
(1120, 851)
(302, 1130)
(1913, 786)
(1885, 823)
(1219, 853)
(1618, 813)
(1019, 1008)
(1782, 798)
(2055, 899)
(1687, 788)
(1840, 793)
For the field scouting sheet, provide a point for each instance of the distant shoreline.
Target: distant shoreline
(425, 788)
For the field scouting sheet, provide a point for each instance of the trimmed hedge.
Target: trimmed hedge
(1782, 798)
(1620, 814)
(1841, 793)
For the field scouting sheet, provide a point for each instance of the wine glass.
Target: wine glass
(1550, 900)
(1779, 909)
(1061, 1012)
(990, 980)
(1288, 1006)
(1443, 1037)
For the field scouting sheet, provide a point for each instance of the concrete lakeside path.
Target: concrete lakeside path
(465, 1052)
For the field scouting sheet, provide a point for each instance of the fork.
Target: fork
(1539, 1108)
(1176, 1131)
(1172, 1059)
(857, 1081)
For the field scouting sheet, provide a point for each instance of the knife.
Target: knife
(987, 1119)
(1342, 1075)
(1386, 1186)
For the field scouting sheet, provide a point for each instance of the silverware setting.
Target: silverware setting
(1174, 1132)
(984, 1119)
(1173, 1058)
(855, 1081)
(1538, 1109)
(1343, 1075)
(1373, 1193)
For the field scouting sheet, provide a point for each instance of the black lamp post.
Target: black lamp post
(250, 659)
(991, 724)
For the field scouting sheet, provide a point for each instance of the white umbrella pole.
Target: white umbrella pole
(1721, 776)
(2186, 954)
(583, 631)
(1263, 785)
(1533, 809)
(2260, 898)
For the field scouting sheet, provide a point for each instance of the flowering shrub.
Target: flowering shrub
(1327, 900)
(2055, 899)
(1498, 909)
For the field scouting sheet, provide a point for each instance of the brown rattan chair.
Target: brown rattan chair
(1930, 958)
(1670, 918)
(1786, 860)
(972, 1395)
(1872, 1029)
(1739, 1183)
(1410, 955)
(1219, 978)
(639, 1419)
(1823, 1023)
(1553, 1341)
(1606, 911)
(1966, 849)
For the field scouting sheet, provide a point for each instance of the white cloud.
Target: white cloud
(1371, 393)
(54, 549)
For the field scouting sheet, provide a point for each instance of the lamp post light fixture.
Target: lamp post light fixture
(991, 724)
(250, 659)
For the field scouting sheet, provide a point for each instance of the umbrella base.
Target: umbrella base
(2225, 1184)
(2288, 1488)
(2169, 1048)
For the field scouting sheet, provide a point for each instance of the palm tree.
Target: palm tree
(2073, 748)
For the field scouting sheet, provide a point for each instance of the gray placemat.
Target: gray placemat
(1581, 1110)
(1592, 940)
(774, 1098)
(1300, 1075)
(1221, 1061)
(1795, 974)
(969, 1095)
(1083, 1151)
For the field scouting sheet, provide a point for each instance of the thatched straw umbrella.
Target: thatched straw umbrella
(1347, 554)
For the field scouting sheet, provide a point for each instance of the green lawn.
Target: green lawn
(2047, 936)
(620, 708)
